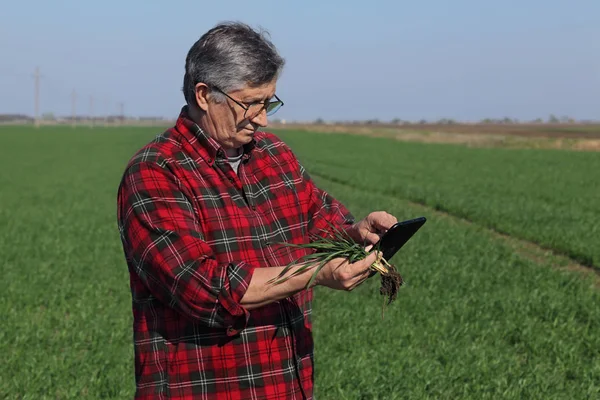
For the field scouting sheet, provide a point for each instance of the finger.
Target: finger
(362, 266)
(370, 258)
(382, 220)
(372, 238)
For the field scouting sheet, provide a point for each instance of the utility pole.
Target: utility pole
(91, 111)
(37, 76)
(122, 112)
(106, 112)
(73, 111)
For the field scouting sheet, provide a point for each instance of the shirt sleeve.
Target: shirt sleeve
(163, 243)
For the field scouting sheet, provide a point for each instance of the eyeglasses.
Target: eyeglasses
(251, 110)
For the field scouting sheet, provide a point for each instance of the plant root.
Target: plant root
(390, 284)
(391, 280)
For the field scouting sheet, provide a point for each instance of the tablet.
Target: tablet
(397, 236)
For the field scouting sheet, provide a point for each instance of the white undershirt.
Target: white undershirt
(235, 161)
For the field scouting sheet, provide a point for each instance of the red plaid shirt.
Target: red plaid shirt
(193, 231)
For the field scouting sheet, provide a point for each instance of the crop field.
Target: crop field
(503, 283)
(562, 130)
(550, 197)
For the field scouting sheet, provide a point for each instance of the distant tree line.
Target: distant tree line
(14, 117)
(552, 119)
(50, 117)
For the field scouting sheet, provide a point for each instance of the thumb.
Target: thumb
(372, 238)
(370, 259)
(359, 267)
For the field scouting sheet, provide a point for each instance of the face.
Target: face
(226, 122)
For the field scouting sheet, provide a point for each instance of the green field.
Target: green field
(479, 319)
(550, 197)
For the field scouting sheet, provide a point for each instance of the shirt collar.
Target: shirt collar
(208, 148)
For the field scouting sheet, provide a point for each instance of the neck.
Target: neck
(233, 152)
(201, 118)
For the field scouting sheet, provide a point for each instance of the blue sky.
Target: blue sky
(346, 60)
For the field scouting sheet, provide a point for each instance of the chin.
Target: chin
(244, 139)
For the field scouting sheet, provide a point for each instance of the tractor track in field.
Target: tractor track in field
(525, 248)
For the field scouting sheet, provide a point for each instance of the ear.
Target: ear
(202, 93)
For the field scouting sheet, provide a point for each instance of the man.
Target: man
(203, 212)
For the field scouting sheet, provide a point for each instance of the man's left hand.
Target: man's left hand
(369, 229)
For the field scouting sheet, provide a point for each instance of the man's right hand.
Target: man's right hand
(337, 274)
(340, 274)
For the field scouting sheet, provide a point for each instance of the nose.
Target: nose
(260, 119)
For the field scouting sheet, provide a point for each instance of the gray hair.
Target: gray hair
(230, 56)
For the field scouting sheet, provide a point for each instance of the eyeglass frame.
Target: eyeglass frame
(246, 106)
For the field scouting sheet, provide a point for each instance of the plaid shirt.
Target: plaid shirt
(193, 231)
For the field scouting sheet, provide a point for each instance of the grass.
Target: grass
(65, 303)
(550, 197)
(476, 320)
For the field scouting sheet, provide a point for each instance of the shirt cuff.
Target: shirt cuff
(237, 281)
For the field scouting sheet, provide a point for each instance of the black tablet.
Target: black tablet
(397, 236)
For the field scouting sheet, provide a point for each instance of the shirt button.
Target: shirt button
(253, 207)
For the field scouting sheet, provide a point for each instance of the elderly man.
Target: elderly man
(203, 212)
